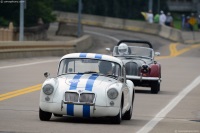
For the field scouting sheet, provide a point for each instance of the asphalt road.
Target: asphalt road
(175, 109)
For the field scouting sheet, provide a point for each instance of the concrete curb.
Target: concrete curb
(16, 49)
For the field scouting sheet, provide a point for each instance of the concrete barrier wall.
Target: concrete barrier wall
(16, 49)
(68, 29)
(132, 25)
(176, 35)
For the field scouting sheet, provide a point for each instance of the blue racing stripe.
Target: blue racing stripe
(86, 110)
(75, 81)
(90, 82)
(89, 86)
(70, 109)
(98, 56)
(73, 86)
(82, 55)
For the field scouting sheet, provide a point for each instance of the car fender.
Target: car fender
(155, 70)
(131, 91)
(117, 101)
(54, 83)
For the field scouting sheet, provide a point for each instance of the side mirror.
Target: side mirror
(157, 53)
(46, 74)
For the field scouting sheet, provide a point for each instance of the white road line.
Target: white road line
(28, 64)
(99, 34)
(161, 115)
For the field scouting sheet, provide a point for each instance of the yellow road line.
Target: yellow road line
(20, 92)
(174, 52)
(173, 49)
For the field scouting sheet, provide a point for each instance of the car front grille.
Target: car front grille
(74, 97)
(71, 96)
(131, 68)
(87, 97)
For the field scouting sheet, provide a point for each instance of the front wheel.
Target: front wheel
(155, 87)
(128, 114)
(44, 116)
(57, 115)
(117, 119)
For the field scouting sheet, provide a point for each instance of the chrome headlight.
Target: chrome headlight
(48, 89)
(112, 93)
(145, 68)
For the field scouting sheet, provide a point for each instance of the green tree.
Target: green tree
(128, 9)
(65, 5)
(35, 9)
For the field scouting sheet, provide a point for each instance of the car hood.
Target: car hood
(85, 81)
(139, 61)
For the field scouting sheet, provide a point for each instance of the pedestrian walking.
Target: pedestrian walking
(183, 21)
(169, 20)
(187, 25)
(156, 18)
(198, 22)
(150, 16)
(192, 22)
(162, 18)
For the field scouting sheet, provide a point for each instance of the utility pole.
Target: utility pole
(151, 5)
(158, 10)
(79, 17)
(21, 28)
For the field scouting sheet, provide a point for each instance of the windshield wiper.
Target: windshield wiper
(65, 74)
(88, 72)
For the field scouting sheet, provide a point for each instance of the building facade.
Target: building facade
(184, 6)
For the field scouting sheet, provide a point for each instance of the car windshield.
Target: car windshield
(134, 51)
(87, 66)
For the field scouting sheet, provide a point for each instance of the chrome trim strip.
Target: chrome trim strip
(142, 78)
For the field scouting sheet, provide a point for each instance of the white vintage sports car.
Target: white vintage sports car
(88, 85)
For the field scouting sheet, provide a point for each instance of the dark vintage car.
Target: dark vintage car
(138, 58)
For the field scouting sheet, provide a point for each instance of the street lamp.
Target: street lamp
(158, 6)
(79, 17)
(21, 28)
(150, 5)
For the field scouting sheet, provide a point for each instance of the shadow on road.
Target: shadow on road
(103, 120)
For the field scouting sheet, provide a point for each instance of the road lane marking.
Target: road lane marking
(174, 52)
(20, 92)
(28, 64)
(172, 104)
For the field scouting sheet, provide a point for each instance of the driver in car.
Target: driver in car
(105, 68)
(123, 49)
